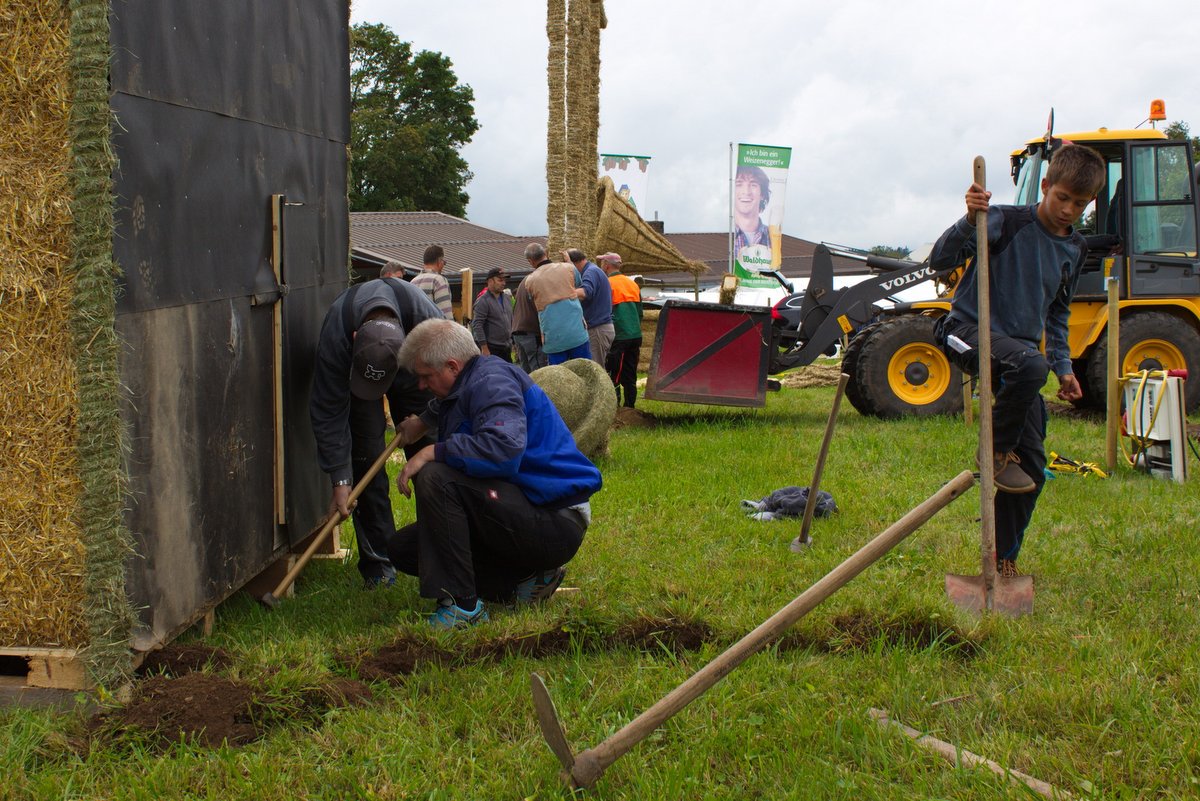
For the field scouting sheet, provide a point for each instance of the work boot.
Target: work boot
(1007, 568)
(1008, 475)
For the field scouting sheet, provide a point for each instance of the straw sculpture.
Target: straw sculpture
(642, 249)
(582, 392)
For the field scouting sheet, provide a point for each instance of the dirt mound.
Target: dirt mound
(651, 635)
(814, 375)
(634, 418)
(400, 658)
(198, 707)
(179, 660)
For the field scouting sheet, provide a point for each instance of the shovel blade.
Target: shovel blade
(1010, 596)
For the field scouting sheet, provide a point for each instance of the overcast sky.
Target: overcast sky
(885, 104)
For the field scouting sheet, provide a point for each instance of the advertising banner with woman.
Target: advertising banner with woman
(759, 187)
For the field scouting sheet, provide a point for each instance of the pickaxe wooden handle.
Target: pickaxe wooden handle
(585, 768)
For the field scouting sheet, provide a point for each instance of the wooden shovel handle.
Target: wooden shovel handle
(332, 520)
(987, 464)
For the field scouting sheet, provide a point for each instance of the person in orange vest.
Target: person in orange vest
(626, 347)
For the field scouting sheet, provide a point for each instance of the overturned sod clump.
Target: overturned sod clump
(651, 635)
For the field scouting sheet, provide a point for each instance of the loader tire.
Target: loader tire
(903, 372)
(1149, 341)
(850, 359)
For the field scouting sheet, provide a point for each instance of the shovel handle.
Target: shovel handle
(987, 464)
(334, 518)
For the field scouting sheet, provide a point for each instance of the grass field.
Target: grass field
(1097, 693)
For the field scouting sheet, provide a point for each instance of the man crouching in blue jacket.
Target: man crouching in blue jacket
(502, 497)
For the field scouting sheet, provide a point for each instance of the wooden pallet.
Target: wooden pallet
(53, 668)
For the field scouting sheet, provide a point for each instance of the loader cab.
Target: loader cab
(1144, 217)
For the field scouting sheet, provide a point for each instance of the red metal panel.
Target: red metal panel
(708, 353)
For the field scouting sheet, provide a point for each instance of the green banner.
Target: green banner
(759, 190)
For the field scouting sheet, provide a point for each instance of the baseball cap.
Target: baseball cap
(496, 272)
(611, 258)
(376, 358)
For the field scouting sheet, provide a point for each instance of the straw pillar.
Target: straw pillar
(556, 124)
(100, 443)
(573, 126)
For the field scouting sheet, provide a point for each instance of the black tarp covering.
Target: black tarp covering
(219, 105)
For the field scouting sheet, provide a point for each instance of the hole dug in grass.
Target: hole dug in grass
(180, 659)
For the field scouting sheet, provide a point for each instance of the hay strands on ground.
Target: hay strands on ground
(960, 756)
(586, 768)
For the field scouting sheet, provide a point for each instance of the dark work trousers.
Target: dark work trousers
(503, 351)
(374, 524)
(622, 368)
(479, 537)
(529, 351)
(1018, 418)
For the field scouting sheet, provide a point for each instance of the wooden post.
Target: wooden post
(1112, 402)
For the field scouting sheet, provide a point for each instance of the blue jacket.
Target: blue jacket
(597, 299)
(497, 423)
(1033, 276)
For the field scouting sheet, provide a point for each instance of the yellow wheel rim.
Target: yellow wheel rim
(918, 373)
(1153, 354)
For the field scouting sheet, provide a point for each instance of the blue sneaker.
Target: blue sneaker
(449, 616)
(540, 586)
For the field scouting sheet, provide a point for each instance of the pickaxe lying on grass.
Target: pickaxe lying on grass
(271, 599)
(584, 769)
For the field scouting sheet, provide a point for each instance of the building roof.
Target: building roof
(377, 237)
(380, 236)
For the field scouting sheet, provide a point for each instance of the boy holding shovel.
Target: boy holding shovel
(1035, 259)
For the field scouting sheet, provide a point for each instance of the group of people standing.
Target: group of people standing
(582, 310)
(502, 492)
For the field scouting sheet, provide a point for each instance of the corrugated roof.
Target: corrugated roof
(376, 237)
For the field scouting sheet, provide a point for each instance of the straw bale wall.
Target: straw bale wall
(62, 560)
(42, 561)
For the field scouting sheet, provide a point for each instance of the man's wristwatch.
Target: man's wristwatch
(343, 482)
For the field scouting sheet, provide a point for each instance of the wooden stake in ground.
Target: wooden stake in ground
(956, 756)
(804, 539)
(1113, 403)
(586, 768)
